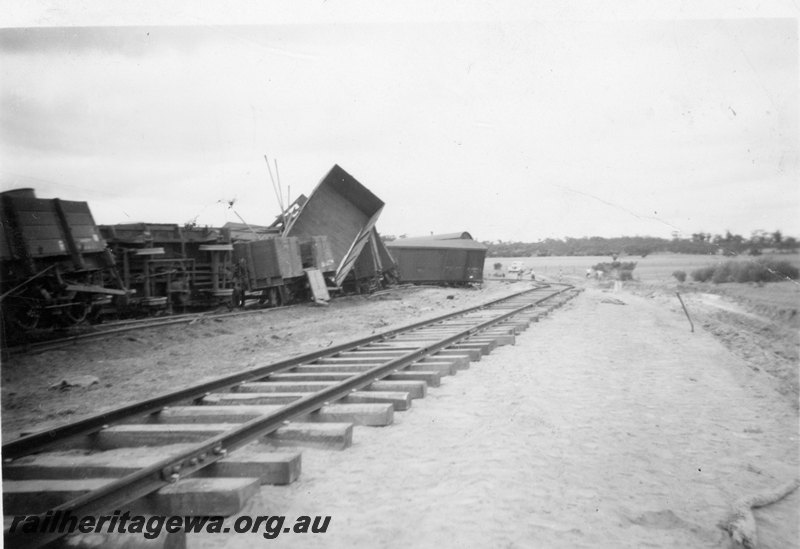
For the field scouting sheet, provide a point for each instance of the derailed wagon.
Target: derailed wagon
(453, 259)
(345, 211)
(271, 268)
(274, 269)
(172, 267)
(55, 266)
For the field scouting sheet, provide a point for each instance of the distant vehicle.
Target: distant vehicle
(516, 267)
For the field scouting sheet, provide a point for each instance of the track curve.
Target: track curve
(377, 369)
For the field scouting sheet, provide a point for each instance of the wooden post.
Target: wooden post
(685, 311)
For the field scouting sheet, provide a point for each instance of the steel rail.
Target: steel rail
(48, 438)
(168, 470)
(128, 326)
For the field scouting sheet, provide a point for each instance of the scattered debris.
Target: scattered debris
(613, 301)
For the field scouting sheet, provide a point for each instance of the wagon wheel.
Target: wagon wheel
(25, 316)
(77, 312)
(284, 296)
(237, 299)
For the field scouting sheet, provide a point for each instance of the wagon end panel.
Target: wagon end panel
(287, 252)
(266, 263)
(475, 262)
(85, 233)
(37, 230)
(316, 253)
(257, 260)
(386, 259)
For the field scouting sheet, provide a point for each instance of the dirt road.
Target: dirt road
(609, 424)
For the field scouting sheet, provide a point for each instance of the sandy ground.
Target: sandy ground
(758, 323)
(609, 424)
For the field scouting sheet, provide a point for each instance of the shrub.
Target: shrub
(615, 266)
(761, 270)
(620, 270)
(703, 274)
(723, 274)
(498, 266)
(679, 275)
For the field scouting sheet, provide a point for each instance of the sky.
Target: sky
(512, 120)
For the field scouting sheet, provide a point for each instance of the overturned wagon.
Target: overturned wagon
(55, 266)
(439, 259)
(168, 266)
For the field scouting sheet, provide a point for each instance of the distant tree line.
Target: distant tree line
(698, 243)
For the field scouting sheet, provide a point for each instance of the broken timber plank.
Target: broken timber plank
(317, 284)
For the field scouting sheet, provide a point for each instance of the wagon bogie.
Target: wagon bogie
(171, 267)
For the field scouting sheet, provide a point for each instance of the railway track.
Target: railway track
(203, 450)
(107, 329)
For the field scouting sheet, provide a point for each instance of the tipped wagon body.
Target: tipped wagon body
(345, 211)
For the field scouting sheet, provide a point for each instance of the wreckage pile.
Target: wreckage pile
(60, 269)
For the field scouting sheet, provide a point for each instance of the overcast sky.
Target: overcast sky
(511, 121)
